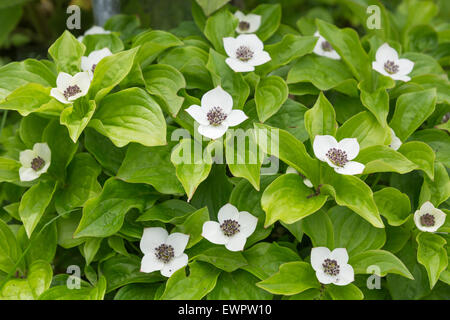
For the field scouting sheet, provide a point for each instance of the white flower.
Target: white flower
(332, 267)
(93, 30)
(324, 48)
(216, 113)
(428, 218)
(247, 23)
(306, 181)
(70, 88)
(395, 141)
(388, 64)
(338, 155)
(245, 52)
(34, 162)
(90, 62)
(233, 228)
(163, 252)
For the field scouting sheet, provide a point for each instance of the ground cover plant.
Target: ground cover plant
(240, 155)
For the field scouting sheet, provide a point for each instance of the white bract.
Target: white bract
(162, 251)
(387, 63)
(338, 154)
(247, 23)
(428, 218)
(332, 266)
(245, 52)
(93, 30)
(233, 228)
(89, 63)
(216, 113)
(395, 141)
(70, 88)
(34, 162)
(323, 48)
(306, 181)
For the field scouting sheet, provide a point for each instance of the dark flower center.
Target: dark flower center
(326, 46)
(427, 220)
(244, 25)
(337, 157)
(165, 253)
(230, 227)
(71, 91)
(93, 67)
(330, 267)
(391, 67)
(216, 116)
(244, 53)
(37, 164)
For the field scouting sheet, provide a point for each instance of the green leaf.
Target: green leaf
(152, 43)
(192, 166)
(220, 25)
(421, 154)
(411, 110)
(163, 82)
(322, 72)
(264, 259)
(286, 199)
(438, 140)
(392, 204)
(31, 128)
(364, 127)
(193, 226)
(432, 254)
(77, 117)
(95, 42)
(270, 19)
(289, 48)
(16, 74)
(344, 188)
(150, 165)
(437, 190)
(210, 6)
(244, 158)
(384, 260)
(347, 45)
(103, 216)
(81, 184)
(354, 233)
(319, 228)
(221, 258)
(377, 101)
(130, 115)
(348, 292)
(33, 204)
(201, 280)
(9, 170)
(120, 271)
(137, 291)
(270, 94)
(286, 147)
(171, 211)
(321, 118)
(38, 280)
(67, 51)
(232, 82)
(110, 71)
(384, 159)
(238, 285)
(10, 250)
(90, 249)
(292, 278)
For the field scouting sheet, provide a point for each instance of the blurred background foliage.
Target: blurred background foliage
(28, 27)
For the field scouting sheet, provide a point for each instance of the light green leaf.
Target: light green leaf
(193, 226)
(287, 199)
(67, 51)
(10, 250)
(222, 258)
(421, 154)
(77, 117)
(220, 25)
(171, 211)
(348, 292)
(210, 6)
(432, 254)
(394, 205)
(437, 190)
(319, 228)
(292, 278)
(130, 115)
(321, 118)
(33, 204)
(270, 94)
(9, 170)
(270, 19)
(384, 159)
